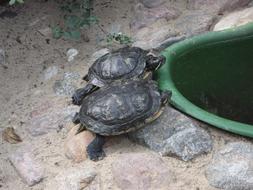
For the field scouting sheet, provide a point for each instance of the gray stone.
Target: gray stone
(135, 171)
(71, 53)
(235, 19)
(217, 6)
(152, 3)
(28, 169)
(50, 72)
(232, 167)
(75, 178)
(154, 35)
(145, 16)
(174, 134)
(50, 117)
(66, 86)
(194, 22)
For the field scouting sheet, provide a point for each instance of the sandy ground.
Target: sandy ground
(22, 87)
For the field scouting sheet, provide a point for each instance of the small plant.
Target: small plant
(119, 38)
(77, 16)
(12, 2)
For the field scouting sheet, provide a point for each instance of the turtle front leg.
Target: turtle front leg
(80, 93)
(95, 148)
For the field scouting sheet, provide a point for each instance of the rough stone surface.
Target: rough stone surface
(152, 3)
(174, 134)
(232, 167)
(153, 36)
(218, 6)
(28, 169)
(50, 116)
(99, 54)
(50, 72)
(66, 86)
(75, 178)
(75, 145)
(141, 171)
(235, 19)
(194, 22)
(145, 16)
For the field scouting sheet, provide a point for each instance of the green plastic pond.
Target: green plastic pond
(211, 78)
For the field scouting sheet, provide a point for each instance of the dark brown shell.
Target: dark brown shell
(125, 63)
(121, 107)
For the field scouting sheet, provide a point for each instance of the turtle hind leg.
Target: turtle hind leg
(95, 148)
(86, 78)
(80, 94)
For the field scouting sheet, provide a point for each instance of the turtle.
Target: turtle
(119, 108)
(122, 64)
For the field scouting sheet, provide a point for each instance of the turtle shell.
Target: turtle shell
(125, 63)
(121, 107)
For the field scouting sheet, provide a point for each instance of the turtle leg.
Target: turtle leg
(86, 78)
(165, 96)
(80, 93)
(95, 148)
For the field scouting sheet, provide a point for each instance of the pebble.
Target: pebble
(144, 16)
(28, 169)
(71, 53)
(74, 178)
(174, 134)
(50, 72)
(134, 171)
(231, 167)
(75, 145)
(235, 19)
(153, 36)
(217, 6)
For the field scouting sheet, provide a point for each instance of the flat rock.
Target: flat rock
(218, 6)
(28, 169)
(152, 3)
(174, 134)
(194, 22)
(49, 117)
(154, 35)
(144, 16)
(135, 171)
(231, 167)
(235, 19)
(74, 178)
(66, 86)
(75, 145)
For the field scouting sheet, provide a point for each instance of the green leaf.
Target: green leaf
(57, 32)
(72, 22)
(11, 2)
(74, 35)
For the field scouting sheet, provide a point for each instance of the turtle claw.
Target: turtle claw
(76, 99)
(95, 155)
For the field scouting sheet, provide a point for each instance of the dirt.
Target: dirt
(22, 87)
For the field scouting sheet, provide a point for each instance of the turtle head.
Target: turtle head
(154, 62)
(165, 97)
